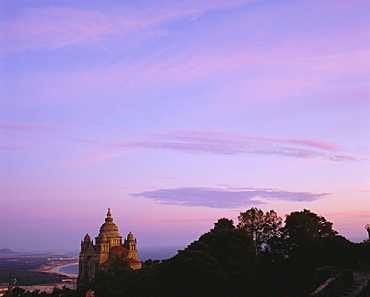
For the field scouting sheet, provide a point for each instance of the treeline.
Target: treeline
(259, 256)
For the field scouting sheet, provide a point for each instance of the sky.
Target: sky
(177, 113)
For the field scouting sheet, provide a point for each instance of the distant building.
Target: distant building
(108, 244)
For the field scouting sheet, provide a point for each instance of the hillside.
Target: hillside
(6, 252)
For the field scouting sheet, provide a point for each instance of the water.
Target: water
(69, 269)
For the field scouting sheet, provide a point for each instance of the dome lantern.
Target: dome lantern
(109, 216)
(109, 228)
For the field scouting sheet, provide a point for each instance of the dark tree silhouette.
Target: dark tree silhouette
(224, 224)
(192, 273)
(305, 227)
(261, 226)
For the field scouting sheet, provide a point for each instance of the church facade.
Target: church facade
(108, 244)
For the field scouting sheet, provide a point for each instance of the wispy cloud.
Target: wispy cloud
(224, 198)
(211, 142)
(245, 77)
(96, 158)
(191, 142)
(249, 74)
(25, 127)
(53, 27)
(7, 148)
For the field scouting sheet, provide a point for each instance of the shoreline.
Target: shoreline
(63, 273)
(54, 269)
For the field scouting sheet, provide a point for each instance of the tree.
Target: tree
(192, 273)
(362, 251)
(116, 282)
(145, 280)
(334, 251)
(15, 292)
(306, 236)
(305, 227)
(235, 250)
(224, 224)
(261, 226)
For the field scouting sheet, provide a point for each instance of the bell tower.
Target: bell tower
(130, 244)
(88, 260)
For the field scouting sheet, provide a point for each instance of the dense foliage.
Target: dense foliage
(57, 292)
(259, 257)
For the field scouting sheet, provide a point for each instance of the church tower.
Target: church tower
(130, 244)
(89, 260)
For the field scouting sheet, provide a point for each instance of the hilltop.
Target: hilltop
(7, 252)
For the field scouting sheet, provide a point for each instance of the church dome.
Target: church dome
(102, 236)
(109, 228)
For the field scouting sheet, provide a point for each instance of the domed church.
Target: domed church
(108, 244)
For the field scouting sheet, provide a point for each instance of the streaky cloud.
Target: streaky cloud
(211, 142)
(54, 27)
(198, 142)
(25, 126)
(224, 198)
(7, 148)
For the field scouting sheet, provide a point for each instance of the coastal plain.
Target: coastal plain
(36, 271)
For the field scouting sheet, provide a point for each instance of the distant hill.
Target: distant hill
(6, 252)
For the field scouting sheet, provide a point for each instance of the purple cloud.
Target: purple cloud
(203, 142)
(221, 198)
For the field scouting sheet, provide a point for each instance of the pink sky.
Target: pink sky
(175, 114)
